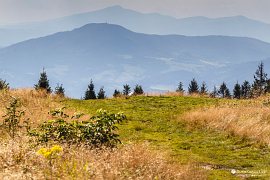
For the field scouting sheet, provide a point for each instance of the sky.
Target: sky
(16, 11)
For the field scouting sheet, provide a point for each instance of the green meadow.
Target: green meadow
(157, 120)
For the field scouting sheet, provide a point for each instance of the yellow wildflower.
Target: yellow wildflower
(56, 149)
(50, 153)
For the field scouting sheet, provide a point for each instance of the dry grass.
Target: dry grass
(36, 104)
(19, 161)
(173, 94)
(169, 93)
(247, 118)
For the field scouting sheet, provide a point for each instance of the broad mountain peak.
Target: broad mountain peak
(112, 55)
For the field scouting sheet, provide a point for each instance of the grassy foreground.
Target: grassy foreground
(164, 137)
(20, 157)
(158, 120)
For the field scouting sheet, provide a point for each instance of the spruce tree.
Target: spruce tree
(193, 87)
(237, 91)
(180, 88)
(260, 80)
(267, 88)
(43, 82)
(227, 93)
(222, 90)
(246, 90)
(59, 90)
(138, 90)
(203, 90)
(90, 92)
(3, 85)
(116, 93)
(101, 93)
(126, 90)
(214, 93)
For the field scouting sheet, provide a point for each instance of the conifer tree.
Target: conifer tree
(126, 90)
(138, 90)
(3, 85)
(90, 92)
(180, 88)
(116, 93)
(260, 80)
(203, 90)
(267, 88)
(214, 93)
(237, 91)
(59, 90)
(43, 82)
(101, 93)
(246, 90)
(193, 87)
(222, 90)
(227, 93)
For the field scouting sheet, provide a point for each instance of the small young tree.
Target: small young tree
(260, 80)
(43, 82)
(59, 90)
(246, 90)
(116, 93)
(203, 90)
(237, 91)
(180, 88)
(101, 93)
(227, 93)
(90, 92)
(267, 88)
(126, 90)
(214, 93)
(12, 118)
(193, 87)
(222, 90)
(138, 90)
(3, 85)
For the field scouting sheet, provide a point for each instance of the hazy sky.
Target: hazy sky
(13, 11)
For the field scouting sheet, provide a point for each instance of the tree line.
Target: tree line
(44, 85)
(260, 86)
(90, 91)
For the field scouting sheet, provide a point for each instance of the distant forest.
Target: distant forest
(246, 90)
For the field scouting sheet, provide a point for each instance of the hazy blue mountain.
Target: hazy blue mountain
(138, 22)
(112, 56)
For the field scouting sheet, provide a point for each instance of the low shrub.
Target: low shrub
(99, 130)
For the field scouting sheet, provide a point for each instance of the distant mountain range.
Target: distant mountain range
(112, 56)
(139, 22)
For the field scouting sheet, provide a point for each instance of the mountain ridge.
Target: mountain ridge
(148, 23)
(112, 55)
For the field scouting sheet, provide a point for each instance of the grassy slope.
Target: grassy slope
(153, 119)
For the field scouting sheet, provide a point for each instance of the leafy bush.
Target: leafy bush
(59, 113)
(97, 131)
